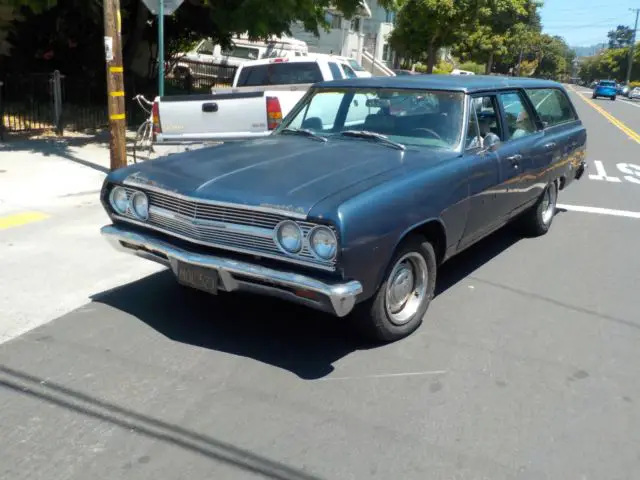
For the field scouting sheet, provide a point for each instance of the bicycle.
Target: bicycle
(144, 136)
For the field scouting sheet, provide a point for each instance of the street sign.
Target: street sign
(170, 6)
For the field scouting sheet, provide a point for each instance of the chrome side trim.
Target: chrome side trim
(283, 258)
(293, 213)
(336, 298)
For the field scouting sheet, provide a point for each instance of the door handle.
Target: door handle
(209, 107)
(550, 146)
(515, 160)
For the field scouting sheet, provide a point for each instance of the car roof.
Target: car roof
(459, 83)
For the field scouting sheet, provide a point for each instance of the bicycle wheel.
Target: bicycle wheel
(143, 144)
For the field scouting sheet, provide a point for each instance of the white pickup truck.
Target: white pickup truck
(263, 92)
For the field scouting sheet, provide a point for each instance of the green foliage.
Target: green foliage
(476, 68)
(621, 37)
(477, 29)
(611, 63)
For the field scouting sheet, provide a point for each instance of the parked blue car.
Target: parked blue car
(354, 202)
(605, 88)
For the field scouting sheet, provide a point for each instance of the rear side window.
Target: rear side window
(348, 71)
(280, 74)
(552, 105)
(335, 70)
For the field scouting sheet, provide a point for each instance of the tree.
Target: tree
(500, 30)
(621, 37)
(424, 26)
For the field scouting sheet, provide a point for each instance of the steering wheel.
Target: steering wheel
(429, 131)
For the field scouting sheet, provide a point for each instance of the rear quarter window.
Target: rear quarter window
(280, 74)
(552, 105)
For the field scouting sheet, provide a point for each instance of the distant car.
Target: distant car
(351, 206)
(605, 88)
(624, 90)
(635, 93)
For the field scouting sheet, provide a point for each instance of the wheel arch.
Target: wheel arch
(433, 230)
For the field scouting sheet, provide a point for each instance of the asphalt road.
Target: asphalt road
(527, 367)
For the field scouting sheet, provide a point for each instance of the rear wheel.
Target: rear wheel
(613, 98)
(397, 308)
(143, 143)
(538, 219)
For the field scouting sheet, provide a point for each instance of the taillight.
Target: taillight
(157, 127)
(274, 113)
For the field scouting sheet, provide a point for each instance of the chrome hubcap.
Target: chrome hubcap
(406, 288)
(549, 203)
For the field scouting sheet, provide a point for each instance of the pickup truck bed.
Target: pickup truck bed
(228, 114)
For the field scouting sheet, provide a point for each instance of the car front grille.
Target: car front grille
(220, 226)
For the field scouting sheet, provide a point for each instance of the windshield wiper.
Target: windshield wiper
(306, 132)
(373, 136)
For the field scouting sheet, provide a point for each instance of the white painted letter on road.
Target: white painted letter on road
(631, 170)
(601, 174)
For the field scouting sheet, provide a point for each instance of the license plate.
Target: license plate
(197, 277)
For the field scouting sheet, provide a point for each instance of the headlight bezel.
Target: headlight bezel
(310, 243)
(280, 244)
(112, 201)
(132, 207)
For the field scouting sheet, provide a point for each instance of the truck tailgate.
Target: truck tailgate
(218, 116)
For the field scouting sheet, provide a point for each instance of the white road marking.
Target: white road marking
(627, 101)
(387, 375)
(601, 173)
(600, 211)
(631, 171)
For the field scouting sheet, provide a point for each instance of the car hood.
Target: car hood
(287, 173)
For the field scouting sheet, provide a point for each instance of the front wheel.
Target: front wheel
(613, 98)
(397, 308)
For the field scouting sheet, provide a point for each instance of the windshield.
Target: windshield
(411, 117)
(607, 84)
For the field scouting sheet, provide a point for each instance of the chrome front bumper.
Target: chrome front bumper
(336, 298)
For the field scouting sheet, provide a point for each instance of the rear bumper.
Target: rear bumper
(335, 298)
(605, 93)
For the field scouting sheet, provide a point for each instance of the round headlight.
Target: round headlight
(140, 205)
(289, 236)
(119, 200)
(323, 242)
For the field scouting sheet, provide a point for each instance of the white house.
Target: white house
(362, 37)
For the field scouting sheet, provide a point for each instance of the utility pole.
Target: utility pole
(115, 84)
(633, 44)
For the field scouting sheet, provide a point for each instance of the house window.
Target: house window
(334, 21)
(386, 52)
(355, 24)
(390, 17)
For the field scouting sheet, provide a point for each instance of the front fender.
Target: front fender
(373, 224)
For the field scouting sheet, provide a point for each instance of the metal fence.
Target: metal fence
(37, 102)
(198, 77)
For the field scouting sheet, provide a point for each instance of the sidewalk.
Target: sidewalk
(42, 171)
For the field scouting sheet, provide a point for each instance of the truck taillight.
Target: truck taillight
(274, 113)
(157, 127)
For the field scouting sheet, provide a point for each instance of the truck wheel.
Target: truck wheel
(539, 218)
(397, 308)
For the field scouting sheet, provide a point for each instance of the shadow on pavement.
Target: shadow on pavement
(27, 385)
(296, 339)
(275, 332)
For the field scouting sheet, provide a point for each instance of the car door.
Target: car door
(517, 152)
(483, 169)
(564, 137)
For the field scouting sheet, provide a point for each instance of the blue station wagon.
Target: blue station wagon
(354, 202)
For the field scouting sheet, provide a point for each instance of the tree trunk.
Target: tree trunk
(489, 64)
(431, 58)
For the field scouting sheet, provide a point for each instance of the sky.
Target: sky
(586, 22)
